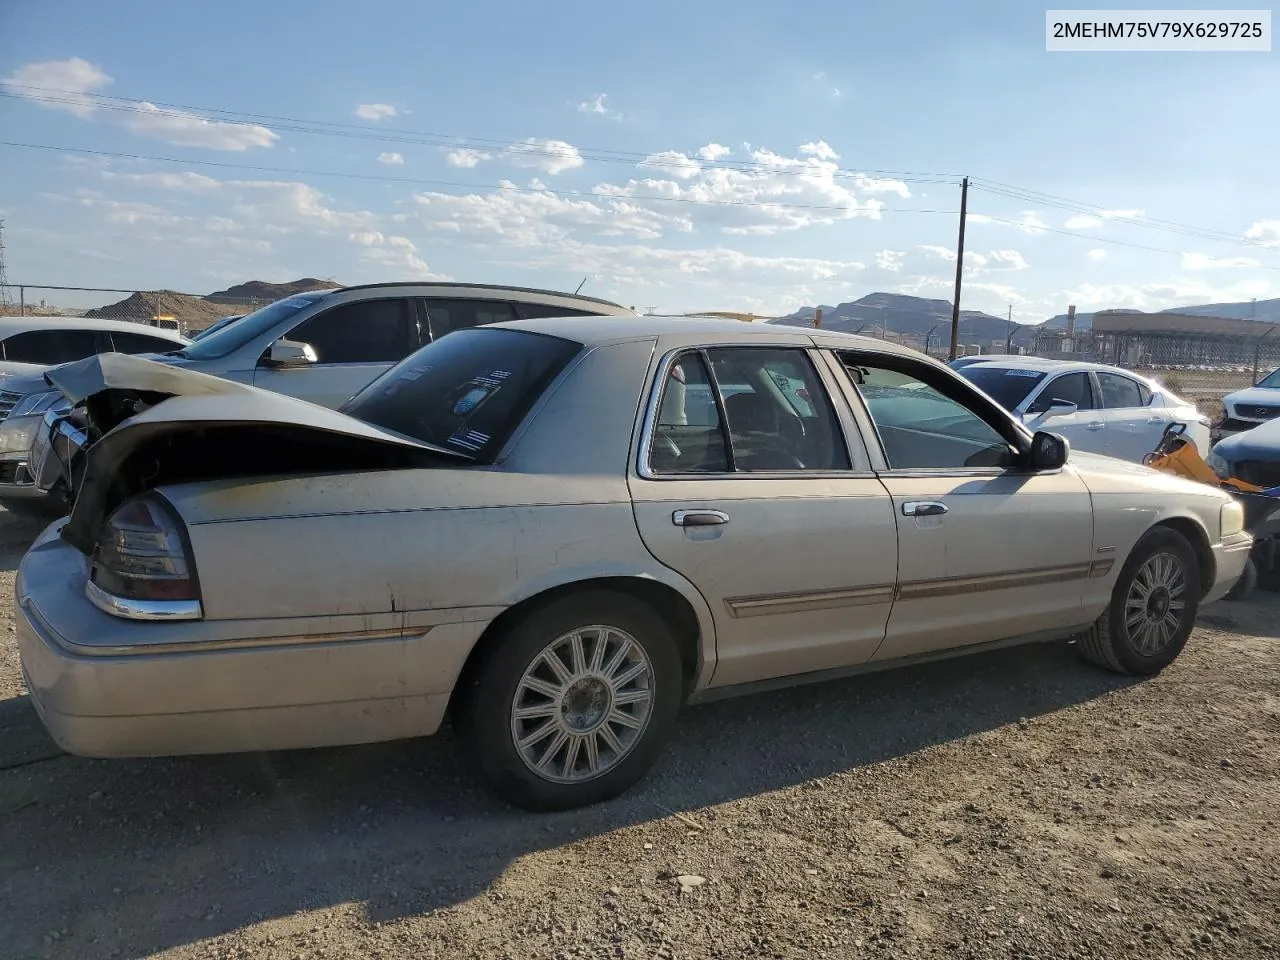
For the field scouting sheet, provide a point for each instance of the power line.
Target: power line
(1102, 213)
(423, 138)
(256, 168)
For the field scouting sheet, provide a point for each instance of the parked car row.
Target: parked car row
(331, 523)
(322, 347)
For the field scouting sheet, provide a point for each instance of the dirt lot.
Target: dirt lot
(1009, 805)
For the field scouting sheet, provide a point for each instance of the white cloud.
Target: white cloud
(527, 218)
(776, 194)
(1097, 254)
(1266, 232)
(672, 162)
(466, 158)
(179, 127)
(1011, 259)
(64, 80)
(890, 260)
(375, 111)
(394, 253)
(596, 107)
(1031, 223)
(1082, 222)
(371, 238)
(713, 152)
(549, 156)
(187, 180)
(1202, 261)
(820, 149)
(391, 159)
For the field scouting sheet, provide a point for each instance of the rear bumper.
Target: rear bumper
(105, 687)
(1230, 557)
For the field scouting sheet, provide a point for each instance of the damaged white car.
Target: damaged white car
(554, 531)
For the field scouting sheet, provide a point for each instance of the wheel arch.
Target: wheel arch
(688, 619)
(1195, 534)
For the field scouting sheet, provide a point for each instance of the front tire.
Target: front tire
(1153, 607)
(573, 703)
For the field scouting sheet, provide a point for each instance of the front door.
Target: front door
(354, 343)
(763, 498)
(1085, 429)
(985, 552)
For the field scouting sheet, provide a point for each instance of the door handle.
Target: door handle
(1157, 419)
(1096, 425)
(923, 508)
(699, 518)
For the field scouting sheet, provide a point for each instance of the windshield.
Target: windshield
(465, 392)
(1007, 386)
(1271, 380)
(233, 336)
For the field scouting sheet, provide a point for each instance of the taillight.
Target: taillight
(142, 564)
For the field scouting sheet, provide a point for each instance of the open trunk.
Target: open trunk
(147, 424)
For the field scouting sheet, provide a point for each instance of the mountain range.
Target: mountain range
(903, 314)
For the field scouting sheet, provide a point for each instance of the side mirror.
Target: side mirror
(291, 353)
(1049, 451)
(1060, 408)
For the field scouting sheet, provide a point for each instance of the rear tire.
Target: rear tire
(573, 703)
(1153, 608)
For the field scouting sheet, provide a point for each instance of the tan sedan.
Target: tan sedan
(558, 531)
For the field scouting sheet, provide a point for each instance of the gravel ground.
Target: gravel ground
(1017, 804)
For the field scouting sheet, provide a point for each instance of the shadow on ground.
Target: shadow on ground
(143, 855)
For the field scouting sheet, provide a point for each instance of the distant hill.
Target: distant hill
(902, 314)
(261, 290)
(193, 314)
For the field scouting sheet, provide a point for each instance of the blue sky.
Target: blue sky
(808, 154)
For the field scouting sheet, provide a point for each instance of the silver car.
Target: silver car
(558, 531)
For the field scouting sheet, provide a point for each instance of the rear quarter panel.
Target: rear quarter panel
(554, 510)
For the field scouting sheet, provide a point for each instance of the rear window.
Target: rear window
(1007, 386)
(466, 392)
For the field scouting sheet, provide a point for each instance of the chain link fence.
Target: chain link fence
(186, 313)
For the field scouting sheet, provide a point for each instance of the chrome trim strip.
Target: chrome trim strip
(142, 609)
(954, 586)
(775, 603)
(210, 646)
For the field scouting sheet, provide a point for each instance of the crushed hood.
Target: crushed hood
(153, 423)
(1261, 443)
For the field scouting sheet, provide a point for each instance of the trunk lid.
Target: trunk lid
(150, 424)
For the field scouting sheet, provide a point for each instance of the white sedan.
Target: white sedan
(1099, 409)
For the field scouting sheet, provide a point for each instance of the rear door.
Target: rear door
(1085, 429)
(770, 510)
(1132, 428)
(355, 343)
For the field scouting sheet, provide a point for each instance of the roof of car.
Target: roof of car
(598, 330)
(14, 325)
(1046, 364)
(496, 288)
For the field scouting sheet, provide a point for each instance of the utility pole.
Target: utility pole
(955, 306)
(1008, 341)
(4, 280)
(817, 319)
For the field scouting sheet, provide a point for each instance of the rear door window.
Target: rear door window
(531, 311)
(446, 316)
(1119, 392)
(51, 346)
(141, 343)
(366, 331)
